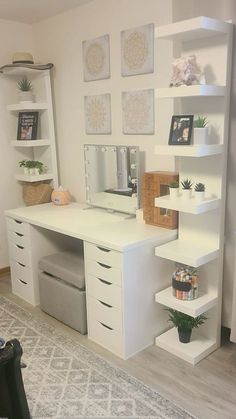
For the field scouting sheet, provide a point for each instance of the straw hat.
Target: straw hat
(22, 58)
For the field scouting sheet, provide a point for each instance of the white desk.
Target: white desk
(132, 273)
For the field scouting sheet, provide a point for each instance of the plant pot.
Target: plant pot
(32, 171)
(186, 193)
(184, 335)
(174, 192)
(26, 170)
(200, 196)
(200, 136)
(26, 96)
(36, 171)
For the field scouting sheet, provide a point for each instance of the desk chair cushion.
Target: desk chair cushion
(66, 266)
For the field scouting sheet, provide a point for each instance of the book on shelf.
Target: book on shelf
(27, 126)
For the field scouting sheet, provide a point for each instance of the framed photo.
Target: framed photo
(27, 126)
(181, 130)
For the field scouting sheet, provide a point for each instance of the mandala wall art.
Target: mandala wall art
(138, 112)
(137, 50)
(96, 58)
(98, 114)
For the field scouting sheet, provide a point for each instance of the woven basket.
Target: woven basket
(36, 193)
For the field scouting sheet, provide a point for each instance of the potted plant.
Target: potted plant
(25, 87)
(174, 189)
(185, 323)
(186, 188)
(199, 191)
(32, 167)
(200, 132)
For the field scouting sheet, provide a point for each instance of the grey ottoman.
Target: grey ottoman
(62, 289)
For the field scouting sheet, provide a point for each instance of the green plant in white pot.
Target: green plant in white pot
(32, 167)
(199, 189)
(200, 131)
(25, 88)
(186, 188)
(174, 189)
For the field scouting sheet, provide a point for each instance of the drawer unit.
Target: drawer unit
(106, 336)
(18, 226)
(104, 291)
(104, 271)
(103, 255)
(98, 310)
(18, 270)
(19, 238)
(20, 254)
(21, 282)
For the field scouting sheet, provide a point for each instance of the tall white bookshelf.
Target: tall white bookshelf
(200, 240)
(43, 148)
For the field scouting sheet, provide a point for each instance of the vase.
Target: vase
(184, 335)
(186, 193)
(26, 96)
(200, 136)
(174, 192)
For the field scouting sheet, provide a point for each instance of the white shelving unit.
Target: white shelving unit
(43, 148)
(201, 224)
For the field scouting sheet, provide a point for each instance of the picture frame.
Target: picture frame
(27, 126)
(181, 130)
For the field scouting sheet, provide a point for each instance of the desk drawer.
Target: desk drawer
(104, 271)
(104, 255)
(104, 291)
(100, 311)
(23, 290)
(106, 337)
(18, 226)
(20, 254)
(20, 271)
(19, 238)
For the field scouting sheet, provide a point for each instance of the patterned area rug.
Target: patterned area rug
(65, 380)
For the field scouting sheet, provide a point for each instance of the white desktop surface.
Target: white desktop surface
(93, 225)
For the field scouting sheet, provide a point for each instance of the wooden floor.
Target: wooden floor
(207, 390)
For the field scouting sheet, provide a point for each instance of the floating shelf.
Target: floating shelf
(192, 29)
(27, 106)
(198, 348)
(33, 178)
(189, 91)
(187, 252)
(22, 71)
(190, 206)
(30, 143)
(193, 308)
(189, 150)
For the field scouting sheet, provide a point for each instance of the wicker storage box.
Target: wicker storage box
(36, 193)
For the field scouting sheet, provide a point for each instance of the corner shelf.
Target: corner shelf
(189, 150)
(34, 178)
(187, 252)
(190, 206)
(189, 91)
(198, 348)
(31, 143)
(34, 106)
(193, 308)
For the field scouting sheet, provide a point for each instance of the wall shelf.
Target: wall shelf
(189, 91)
(31, 143)
(34, 178)
(190, 206)
(189, 150)
(27, 106)
(198, 348)
(188, 253)
(193, 308)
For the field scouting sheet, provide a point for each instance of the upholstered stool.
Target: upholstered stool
(62, 289)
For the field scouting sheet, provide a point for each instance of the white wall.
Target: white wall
(14, 37)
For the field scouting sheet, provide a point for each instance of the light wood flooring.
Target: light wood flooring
(207, 390)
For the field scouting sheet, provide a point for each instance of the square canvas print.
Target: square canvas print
(98, 114)
(96, 58)
(181, 130)
(138, 112)
(137, 50)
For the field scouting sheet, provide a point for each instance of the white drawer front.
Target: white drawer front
(103, 290)
(108, 338)
(20, 254)
(23, 290)
(103, 255)
(19, 238)
(18, 226)
(98, 310)
(22, 272)
(104, 271)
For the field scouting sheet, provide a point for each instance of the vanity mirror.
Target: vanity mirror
(112, 177)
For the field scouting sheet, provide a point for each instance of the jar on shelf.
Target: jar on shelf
(185, 283)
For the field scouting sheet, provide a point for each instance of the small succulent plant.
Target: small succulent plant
(174, 184)
(199, 187)
(200, 122)
(187, 184)
(24, 85)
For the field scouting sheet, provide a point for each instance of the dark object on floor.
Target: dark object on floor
(13, 402)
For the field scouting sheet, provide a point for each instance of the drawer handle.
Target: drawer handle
(102, 249)
(18, 222)
(104, 282)
(18, 234)
(107, 327)
(104, 266)
(19, 247)
(21, 264)
(23, 282)
(104, 304)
